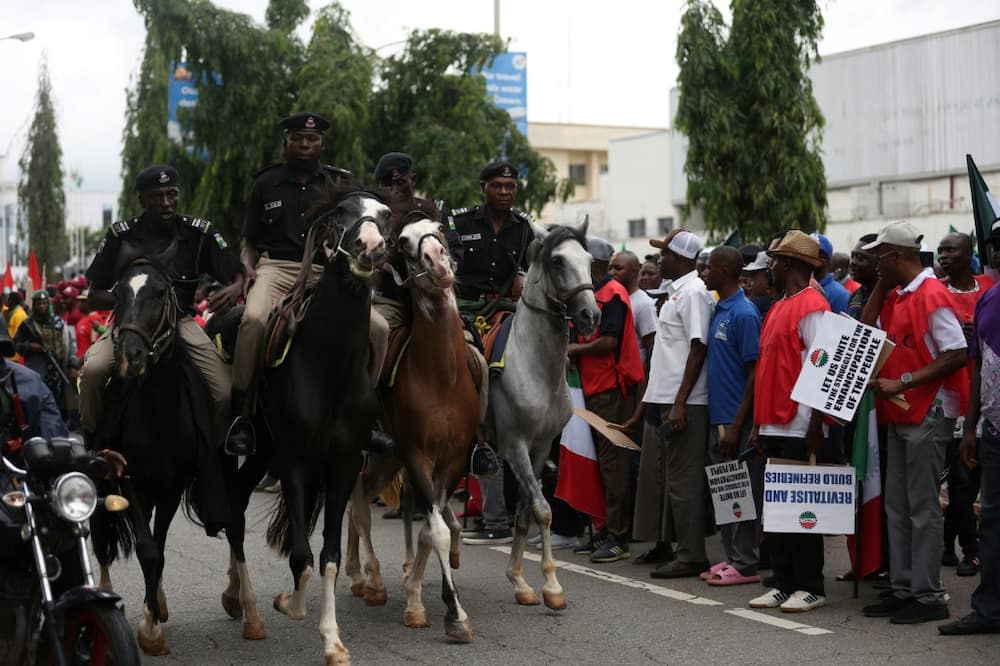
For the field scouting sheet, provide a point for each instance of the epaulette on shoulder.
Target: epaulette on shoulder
(520, 214)
(337, 170)
(118, 228)
(463, 211)
(198, 223)
(267, 168)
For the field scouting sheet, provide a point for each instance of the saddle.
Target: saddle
(399, 340)
(494, 332)
(281, 327)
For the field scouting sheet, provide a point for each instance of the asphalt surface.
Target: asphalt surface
(616, 614)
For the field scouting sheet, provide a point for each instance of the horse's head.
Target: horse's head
(145, 317)
(560, 268)
(423, 247)
(356, 228)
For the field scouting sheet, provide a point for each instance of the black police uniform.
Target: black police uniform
(277, 217)
(490, 259)
(200, 250)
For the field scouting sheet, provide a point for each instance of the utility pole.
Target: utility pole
(496, 17)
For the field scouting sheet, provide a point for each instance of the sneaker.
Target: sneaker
(949, 559)
(801, 602)
(560, 542)
(969, 566)
(889, 606)
(770, 599)
(613, 549)
(916, 612)
(487, 537)
(587, 546)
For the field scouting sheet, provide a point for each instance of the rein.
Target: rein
(162, 337)
(557, 305)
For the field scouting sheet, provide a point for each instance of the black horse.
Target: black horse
(315, 410)
(157, 416)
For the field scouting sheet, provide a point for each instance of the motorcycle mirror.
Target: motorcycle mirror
(115, 503)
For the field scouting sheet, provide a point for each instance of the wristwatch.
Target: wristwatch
(906, 378)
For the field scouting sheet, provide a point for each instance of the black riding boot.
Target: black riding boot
(240, 438)
(379, 442)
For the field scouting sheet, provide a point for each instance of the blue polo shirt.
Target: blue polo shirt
(733, 341)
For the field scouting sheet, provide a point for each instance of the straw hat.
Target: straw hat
(798, 245)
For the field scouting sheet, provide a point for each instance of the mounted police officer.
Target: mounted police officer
(199, 250)
(274, 241)
(495, 238)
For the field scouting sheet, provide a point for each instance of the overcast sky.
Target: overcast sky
(589, 61)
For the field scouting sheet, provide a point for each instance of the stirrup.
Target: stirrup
(241, 438)
(484, 462)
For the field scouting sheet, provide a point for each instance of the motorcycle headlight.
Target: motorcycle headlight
(74, 496)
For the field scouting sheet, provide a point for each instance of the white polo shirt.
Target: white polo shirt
(685, 316)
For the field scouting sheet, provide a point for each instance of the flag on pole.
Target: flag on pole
(579, 482)
(33, 273)
(985, 208)
(733, 240)
(7, 281)
(865, 460)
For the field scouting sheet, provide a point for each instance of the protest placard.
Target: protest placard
(606, 428)
(838, 366)
(808, 499)
(732, 495)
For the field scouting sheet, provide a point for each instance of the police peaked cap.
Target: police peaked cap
(160, 175)
(392, 167)
(501, 169)
(306, 121)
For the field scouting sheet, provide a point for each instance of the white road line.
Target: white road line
(676, 595)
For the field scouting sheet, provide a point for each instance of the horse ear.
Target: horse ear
(583, 227)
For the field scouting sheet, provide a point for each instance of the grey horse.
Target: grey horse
(529, 401)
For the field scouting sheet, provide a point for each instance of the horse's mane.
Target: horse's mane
(557, 235)
(333, 196)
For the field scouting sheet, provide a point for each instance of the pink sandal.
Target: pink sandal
(730, 575)
(714, 569)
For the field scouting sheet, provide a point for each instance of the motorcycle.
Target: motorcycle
(51, 611)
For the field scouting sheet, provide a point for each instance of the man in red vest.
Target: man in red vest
(919, 318)
(965, 288)
(610, 373)
(784, 428)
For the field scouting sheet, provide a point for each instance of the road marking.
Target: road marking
(676, 595)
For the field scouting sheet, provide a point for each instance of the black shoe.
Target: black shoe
(888, 607)
(949, 558)
(916, 612)
(614, 549)
(973, 623)
(658, 554)
(969, 566)
(488, 537)
(379, 442)
(241, 439)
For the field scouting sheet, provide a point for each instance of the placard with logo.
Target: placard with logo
(808, 499)
(732, 494)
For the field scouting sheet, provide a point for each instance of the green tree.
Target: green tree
(753, 125)
(40, 189)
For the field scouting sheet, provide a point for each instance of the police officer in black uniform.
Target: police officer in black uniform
(495, 238)
(200, 250)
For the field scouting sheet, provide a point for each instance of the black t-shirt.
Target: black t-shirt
(200, 251)
(278, 215)
(488, 258)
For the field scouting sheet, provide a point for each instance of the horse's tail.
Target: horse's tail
(279, 533)
(112, 535)
(392, 492)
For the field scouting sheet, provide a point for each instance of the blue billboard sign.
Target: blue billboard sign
(182, 93)
(507, 86)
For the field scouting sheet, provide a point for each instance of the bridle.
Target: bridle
(339, 250)
(414, 268)
(162, 337)
(556, 306)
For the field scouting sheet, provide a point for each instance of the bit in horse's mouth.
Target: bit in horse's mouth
(361, 270)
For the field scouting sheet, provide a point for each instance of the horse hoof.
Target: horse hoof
(374, 597)
(340, 657)
(460, 632)
(453, 560)
(253, 631)
(232, 606)
(154, 647)
(283, 603)
(554, 600)
(526, 597)
(358, 589)
(415, 619)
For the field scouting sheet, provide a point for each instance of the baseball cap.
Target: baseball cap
(600, 249)
(758, 264)
(684, 244)
(900, 233)
(825, 246)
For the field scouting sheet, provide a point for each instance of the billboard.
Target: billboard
(182, 93)
(507, 85)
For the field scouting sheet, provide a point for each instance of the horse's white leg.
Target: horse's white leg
(161, 599)
(151, 638)
(231, 595)
(106, 578)
(334, 650)
(523, 593)
(375, 594)
(408, 539)
(352, 560)
(293, 604)
(456, 621)
(456, 535)
(415, 615)
(253, 626)
(552, 592)
(359, 527)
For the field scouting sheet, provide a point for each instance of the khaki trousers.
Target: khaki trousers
(274, 279)
(205, 356)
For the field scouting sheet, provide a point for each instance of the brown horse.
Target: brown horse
(433, 412)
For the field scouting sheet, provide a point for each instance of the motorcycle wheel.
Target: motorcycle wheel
(96, 636)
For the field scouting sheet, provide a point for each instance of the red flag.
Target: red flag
(7, 281)
(33, 273)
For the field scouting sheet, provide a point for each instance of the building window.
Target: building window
(578, 174)
(637, 228)
(106, 215)
(665, 225)
(604, 169)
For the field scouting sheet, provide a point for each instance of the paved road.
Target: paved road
(616, 614)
